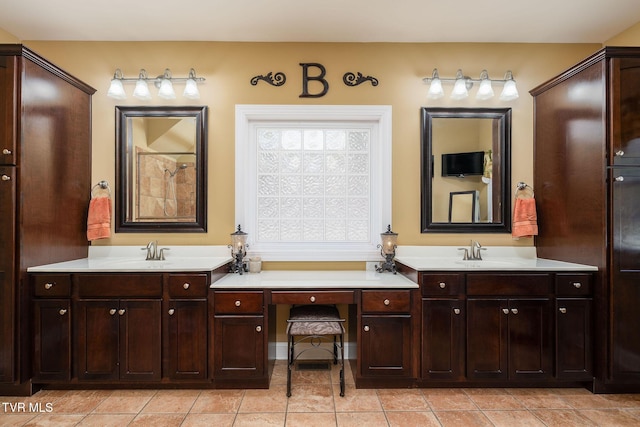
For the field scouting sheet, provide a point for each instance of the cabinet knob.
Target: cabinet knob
(619, 153)
(48, 285)
(443, 285)
(6, 151)
(171, 311)
(6, 178)
(112, 311)
(312, 299)
(618, 178)
(505, 310)
(237, 303)
(456, 311)
(186, 286)
(514, 310)
(258, 328)
(121, 311)
(63, 311)
(563, 310)
(386, 302)
(577, 285)
(366, 328)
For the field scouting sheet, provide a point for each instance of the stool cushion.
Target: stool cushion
(314, 320)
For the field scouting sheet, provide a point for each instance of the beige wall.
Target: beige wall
(228, 68)
(629, 37)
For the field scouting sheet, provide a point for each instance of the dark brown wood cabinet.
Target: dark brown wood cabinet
(52, 337)
(45, 157)
(587, 183)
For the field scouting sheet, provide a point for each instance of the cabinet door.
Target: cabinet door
(625, 274)
(443, 339)
(187, 339)
(239, 347)
(7, 269)
(52, 340)
(487, 338)
(386, 345)
(625, 123)
(530, 339)
(140, 356)
(96, 324)
(8, 84)
(574, 347)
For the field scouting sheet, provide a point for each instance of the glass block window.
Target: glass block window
(313, 184)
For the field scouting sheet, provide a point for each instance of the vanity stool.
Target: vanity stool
(313, 324)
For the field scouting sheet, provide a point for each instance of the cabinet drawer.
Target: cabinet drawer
(119, 285)
(52, 285)
(229, 302)
(442, 284)
(573, 284)
(509, 284)
(386, 301)
(188, 285)
(311, 297)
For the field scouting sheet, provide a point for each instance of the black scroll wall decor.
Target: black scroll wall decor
(351, 79)
(277, 79)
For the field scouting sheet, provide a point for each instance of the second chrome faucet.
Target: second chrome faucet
(473, 252)
(153, 253)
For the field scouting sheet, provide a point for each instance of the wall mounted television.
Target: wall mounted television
(463, 164)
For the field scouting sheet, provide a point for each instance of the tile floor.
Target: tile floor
(316, 401)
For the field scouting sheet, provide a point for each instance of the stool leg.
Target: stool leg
(342, 365)
(335, 351)
(289, 363)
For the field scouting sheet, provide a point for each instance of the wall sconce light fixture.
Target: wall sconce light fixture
(238, 251)
(164, 83)
(388, 250)
(462, 84)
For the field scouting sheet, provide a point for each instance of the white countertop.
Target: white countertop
(494, 258)
(299, 279)
(132, 259)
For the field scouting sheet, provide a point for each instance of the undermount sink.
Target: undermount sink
(488, 264)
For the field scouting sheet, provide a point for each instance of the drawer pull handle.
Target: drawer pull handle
(563, 310)
(258, 328)
(312, 299)
(6, 151)
(456, 311)
(443, 285)
(186, 286)
(514, 310)
(121, 311)
(112, 311)
(619, 153)
(6, 178)
(366, 328)
(505, 310)
(171, 311)
(63, 311)
(577, 285)
(618, 178)
(386, 302)
(237, 303)
(48, 285)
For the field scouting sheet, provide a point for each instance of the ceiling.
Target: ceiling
(527, 21)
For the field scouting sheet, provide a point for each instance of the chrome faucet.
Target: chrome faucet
(473, 252)
(153, 254)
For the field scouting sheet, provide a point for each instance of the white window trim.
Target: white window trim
(245, 204)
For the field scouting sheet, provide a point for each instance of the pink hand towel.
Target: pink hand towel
(525, 218)
(99, 218)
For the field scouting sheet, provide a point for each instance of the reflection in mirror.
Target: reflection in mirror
(466, 170)
(161, 176)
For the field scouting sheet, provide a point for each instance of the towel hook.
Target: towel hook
(523, 186)
(103, 185)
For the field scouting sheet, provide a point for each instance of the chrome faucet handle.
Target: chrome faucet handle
(148, 253)
(465, 257)
(161, 253)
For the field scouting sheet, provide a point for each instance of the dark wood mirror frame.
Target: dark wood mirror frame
(123, 170)
(501, 146)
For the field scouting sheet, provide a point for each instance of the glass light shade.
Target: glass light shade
(166, 90)
(142, 91)
(238, 241)
(460, 87)
(485, 91)
(191, 89)
(389, 241)
(510, 91)
(116, 90)
(435, 89)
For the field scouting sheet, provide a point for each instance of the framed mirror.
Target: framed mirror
(466, 170)
(161, 174)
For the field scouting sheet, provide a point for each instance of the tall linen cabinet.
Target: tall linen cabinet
(587, 186)
(45, 183)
